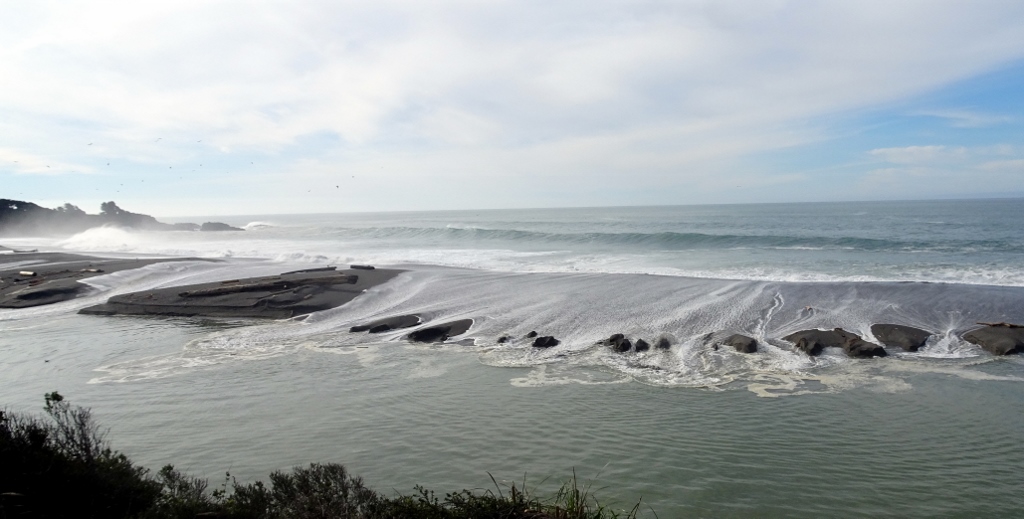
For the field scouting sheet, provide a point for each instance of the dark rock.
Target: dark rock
(441, 332)
(503, 339)
(390, 323)
(531, 335)
(741, 343)
(641, 345)
(307, 271)
(217, 226)
(663, 343)
(618, 342)
(998, 340)
(361, 267)
(545, 342)
(899, 336)
(274, 297)
(19, 217)
(859, 348)
(812, 342)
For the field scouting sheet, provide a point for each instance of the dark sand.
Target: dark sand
(276, 297)
(56, 275)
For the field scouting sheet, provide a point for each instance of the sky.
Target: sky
(229, 107)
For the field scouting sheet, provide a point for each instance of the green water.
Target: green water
(896, 442)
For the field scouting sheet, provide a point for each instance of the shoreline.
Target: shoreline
(43, 278)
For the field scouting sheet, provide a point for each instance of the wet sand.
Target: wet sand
(277, 297)
(30, 279)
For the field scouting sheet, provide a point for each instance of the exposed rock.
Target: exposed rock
(389, 323)
(641, 345)
(545, 342)
(663, 343)
(859, 348)
(899, 336)
(998, 340)
(812, 342)
(441, 332)
(618, 342)
(741, 343)
(217, 226)
(54, 277)
(21, 217)
(275, 297)
(503, 339)
(361, 267)
(531, 335)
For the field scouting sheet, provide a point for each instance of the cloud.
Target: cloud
(967, 118)
(942, 170)
(646, 92)
(920, 154)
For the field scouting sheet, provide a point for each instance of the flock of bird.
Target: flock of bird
(158, 139)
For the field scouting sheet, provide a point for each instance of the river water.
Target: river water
(693, 431)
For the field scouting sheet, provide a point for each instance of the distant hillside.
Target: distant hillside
(18, 217)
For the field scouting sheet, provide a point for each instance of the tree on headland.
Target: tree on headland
(71, 209)
(111, 209)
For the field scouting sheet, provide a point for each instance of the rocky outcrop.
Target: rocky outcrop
(441, 332)
(906, 338)
(217, 227)
(641, 345)
(54, 277)
(275, 297)
(546, 341)
(741, 343)
(17, 216)
(998, 338)
(663, 343)
(618, 342)
(387, 324)
(812, 342)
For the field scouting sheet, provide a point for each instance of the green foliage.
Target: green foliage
(63, 467)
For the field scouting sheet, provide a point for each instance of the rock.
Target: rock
(503, 339)
(361, 267)
(441, 332)
(663, 343)
(618, 342)
(546, 342)
(741, 343)
(641, 345)
(531, 335)
(998, 340)
(899, 336)
(217, 226)
(812, 342)
(390, 323)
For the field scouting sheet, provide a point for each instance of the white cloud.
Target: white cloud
(634, 91)
(941, 170)
(967, 118)
(920, 154)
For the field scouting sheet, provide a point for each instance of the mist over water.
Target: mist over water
(691, 428)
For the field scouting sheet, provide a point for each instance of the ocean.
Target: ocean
(694, 431)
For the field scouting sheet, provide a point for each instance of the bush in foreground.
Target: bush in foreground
(62, 466)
